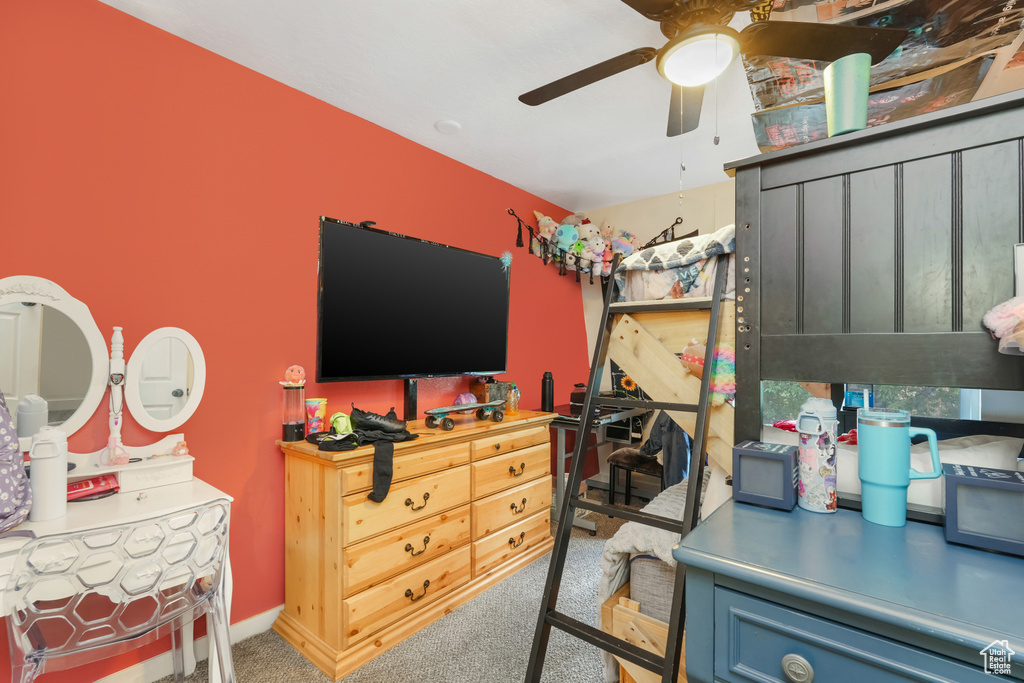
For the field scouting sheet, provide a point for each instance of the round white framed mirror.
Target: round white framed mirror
(50, 346)
(165, 379)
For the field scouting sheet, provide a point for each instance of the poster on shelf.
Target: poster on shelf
(789, 126)
(942, 32)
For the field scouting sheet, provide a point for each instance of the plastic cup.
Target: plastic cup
(846, 93)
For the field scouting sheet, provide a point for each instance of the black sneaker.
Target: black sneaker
(367, 422)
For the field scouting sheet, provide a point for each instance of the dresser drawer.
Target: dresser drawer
(510, 542)
(503, 471)
(753, 637)
(360, 477)
(503, 443)
(408, 501)
(510, 506)
(374, 608)
(394, 552)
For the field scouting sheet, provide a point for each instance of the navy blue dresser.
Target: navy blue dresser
(797, 597)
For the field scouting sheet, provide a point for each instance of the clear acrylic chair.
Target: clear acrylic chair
(78, 597)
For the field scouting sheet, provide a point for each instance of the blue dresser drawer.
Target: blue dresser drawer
(753, 637)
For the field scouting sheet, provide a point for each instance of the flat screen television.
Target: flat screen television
(396, 307)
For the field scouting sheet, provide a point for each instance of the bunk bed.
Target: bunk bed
(872, 258)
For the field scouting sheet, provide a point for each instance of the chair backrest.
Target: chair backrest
(95, 593)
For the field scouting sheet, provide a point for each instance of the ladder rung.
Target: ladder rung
(666, 523)
(606, 642)
(643, 403)
(693, 304)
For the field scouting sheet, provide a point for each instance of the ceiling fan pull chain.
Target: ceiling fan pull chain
(717, 139)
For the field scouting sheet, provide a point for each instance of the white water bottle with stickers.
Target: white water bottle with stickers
(817, 425)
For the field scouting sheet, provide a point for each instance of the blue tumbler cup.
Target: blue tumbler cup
(883, 451)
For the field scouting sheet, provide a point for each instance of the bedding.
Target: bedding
(676, 269)
(633, 538)
(997, 452)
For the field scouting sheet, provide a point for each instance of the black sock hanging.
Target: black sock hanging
(383, 470)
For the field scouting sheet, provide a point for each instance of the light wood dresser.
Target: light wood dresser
(467, 508)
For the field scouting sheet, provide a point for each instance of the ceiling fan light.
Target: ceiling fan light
(698, 57)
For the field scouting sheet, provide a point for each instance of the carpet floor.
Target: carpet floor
(486, 640)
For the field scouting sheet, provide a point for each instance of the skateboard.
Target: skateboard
(439, 416)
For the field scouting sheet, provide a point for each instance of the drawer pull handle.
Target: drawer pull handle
(408, 502)
(517, 510)
(512, 469)
(797, 669)
(512, 541)
(409, 594)
(497, 446)
(408, 547)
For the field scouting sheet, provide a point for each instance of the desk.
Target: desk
(124, 508)
(566, 420)
(852, 601)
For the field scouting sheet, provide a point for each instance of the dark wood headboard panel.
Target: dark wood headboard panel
(872, 257)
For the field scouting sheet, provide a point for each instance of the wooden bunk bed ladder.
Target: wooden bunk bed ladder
(668, 665)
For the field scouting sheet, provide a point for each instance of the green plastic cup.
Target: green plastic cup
(846, 93)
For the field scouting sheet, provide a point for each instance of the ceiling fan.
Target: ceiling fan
(701, 45)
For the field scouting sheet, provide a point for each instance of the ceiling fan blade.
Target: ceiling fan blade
(591, 74)
(650, 8)
(818, 42)
(684, 109)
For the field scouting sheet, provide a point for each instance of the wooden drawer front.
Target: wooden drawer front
(509, 542)
(397, 551)
(502, 471)
(360, 477)
(508, 507)
(503, 443)
(362, 518)
(374, 608)
(753, 636)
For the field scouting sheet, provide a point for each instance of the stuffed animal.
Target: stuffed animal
(621, 246)
(574, 219)
(693, 358)
(181, 448)
(566, 236)
(546, 226)
(588, 230)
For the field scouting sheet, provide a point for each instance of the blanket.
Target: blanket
(674, 268)
(633, 538)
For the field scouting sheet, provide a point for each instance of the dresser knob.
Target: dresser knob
(518, 510)
(414, 553)
(512, 469)
(797, 669)
(512, 543)
(409, 503)
(412, 596)
(497, 446)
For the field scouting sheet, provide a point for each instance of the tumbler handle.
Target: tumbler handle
(933, 446)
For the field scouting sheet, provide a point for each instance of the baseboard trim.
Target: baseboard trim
(158, 667)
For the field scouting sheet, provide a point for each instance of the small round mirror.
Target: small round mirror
(164, 379)
(50, 346)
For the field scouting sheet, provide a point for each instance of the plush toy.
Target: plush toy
(566, 236)
(693, 358)
(546, 225)
(627, 236)
(588, 230)
(181, 448)
(621, 246)
(574, 219)
(294, 375)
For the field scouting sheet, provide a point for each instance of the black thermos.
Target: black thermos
(547, 393)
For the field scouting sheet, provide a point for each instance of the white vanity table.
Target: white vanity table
(161, 385)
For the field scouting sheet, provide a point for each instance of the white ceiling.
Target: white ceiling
(407, 64)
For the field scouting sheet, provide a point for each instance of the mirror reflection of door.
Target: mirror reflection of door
(165, 381)
(20, 348)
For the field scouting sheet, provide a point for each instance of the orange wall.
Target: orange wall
(166, 186)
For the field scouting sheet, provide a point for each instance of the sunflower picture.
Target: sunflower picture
(627, 383)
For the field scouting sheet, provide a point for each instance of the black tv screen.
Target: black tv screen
(394, 307)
